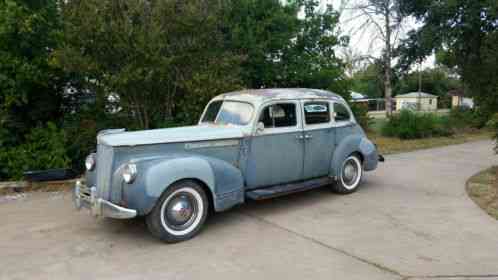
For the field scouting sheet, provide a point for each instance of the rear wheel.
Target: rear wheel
(179, 213)
(350, 175)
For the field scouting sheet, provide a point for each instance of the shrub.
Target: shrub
(44, 148)
(493, 124)
(410, 125)
(361, 114)
(464, 117)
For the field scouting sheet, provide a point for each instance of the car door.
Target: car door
(276, 151)
(319, 138)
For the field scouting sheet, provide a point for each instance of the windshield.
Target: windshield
(228, 112)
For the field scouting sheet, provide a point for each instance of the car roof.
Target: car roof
(258, 96)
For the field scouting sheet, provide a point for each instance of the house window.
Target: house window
(279, 115)
(316, 112)
(341, 113)
(430, 101)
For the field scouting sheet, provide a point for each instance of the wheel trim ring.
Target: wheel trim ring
(358, 172)
(198, 215)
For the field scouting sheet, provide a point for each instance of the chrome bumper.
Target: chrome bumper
(87, 197)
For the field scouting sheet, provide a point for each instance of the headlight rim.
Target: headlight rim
(90, 162)
(130, 172)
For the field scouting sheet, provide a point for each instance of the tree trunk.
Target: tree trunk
(387, 62)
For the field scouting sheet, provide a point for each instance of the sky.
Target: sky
(363, 40)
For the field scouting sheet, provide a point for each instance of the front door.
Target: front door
(319, 138)
(276, 152)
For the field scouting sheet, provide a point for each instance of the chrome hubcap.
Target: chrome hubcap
(350, 172)
(181, 211)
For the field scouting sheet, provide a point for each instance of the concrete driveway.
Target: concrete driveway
(410, 220)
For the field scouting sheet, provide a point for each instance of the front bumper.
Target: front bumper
(85, 196)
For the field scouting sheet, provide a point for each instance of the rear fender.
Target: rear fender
(354, 144)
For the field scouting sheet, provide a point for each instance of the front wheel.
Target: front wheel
(179, 213)
(350, 175)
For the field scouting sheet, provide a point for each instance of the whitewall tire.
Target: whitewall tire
(179, 213)
(349, 177)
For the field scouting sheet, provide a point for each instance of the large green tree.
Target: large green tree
(161, 59)
(286, 43)
(464, 36)
(30, 86)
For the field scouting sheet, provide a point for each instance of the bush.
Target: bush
(44, 148)
(464, 117)
(410, 125)
(493, 124)
(361, 114)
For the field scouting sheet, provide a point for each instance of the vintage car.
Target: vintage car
(250, 144)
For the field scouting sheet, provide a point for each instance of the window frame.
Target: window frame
(279, 130)
(343, 122)
(328, 124)
(253, 113)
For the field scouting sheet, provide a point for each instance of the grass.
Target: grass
(392, 145)
(483, 190)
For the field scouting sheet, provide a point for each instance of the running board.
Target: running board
(280, 190)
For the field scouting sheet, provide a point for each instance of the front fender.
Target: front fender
(354, 144)
(224, 181)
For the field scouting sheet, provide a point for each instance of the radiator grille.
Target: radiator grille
(104, 172)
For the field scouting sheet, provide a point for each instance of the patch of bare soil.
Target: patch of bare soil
(53, 186)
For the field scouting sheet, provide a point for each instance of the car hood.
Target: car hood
(169, 135)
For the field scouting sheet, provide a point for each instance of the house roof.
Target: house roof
(416, 95)
(456, 92)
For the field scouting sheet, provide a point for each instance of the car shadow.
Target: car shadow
(136, 229)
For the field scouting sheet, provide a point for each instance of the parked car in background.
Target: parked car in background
(250, 144)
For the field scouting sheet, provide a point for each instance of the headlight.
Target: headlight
(129, 173)
(90, 162)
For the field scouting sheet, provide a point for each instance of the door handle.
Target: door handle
(308, 136)
(299, 137)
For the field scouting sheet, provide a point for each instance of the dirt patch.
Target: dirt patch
(483, 190)
(53, 186)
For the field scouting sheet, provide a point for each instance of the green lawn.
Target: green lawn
(392, 145)
(483, 190)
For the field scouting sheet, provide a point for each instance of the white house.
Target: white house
(416, 101)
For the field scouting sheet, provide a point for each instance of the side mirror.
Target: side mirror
(260, 127)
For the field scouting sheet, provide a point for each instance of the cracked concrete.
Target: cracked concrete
(410, 220)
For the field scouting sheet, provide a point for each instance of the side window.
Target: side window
(341, 113)
(316, 112)
(279, 115)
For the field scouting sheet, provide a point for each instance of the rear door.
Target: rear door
(319, 138)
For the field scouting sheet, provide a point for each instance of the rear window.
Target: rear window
(341, 113)
(316, 112)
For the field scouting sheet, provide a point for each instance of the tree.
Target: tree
(30, 85)
(464, 36)
(282, 49)
(436, 81)
(162, 59)
(369, 81)
(383, 20)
